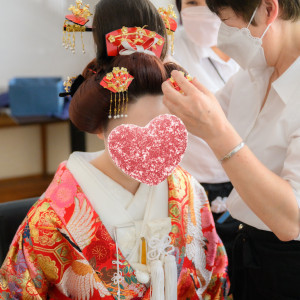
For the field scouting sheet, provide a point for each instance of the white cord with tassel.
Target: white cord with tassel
(160, 249)
(157, 280)
(170, 267)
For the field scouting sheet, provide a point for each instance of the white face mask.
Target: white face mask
(201, 25)
(240, 45)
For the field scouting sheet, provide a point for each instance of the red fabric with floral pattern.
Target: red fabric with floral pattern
(62, 244)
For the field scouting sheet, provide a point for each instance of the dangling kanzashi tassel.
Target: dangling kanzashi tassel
(115, 109)
(126, 106)
(119, 106)
(172, 35)
(110, 106)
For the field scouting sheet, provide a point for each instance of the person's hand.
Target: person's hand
(201, 113)
(197, 107)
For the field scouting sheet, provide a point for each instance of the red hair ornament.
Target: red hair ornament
(126, 41)
(80, 13)
(175, 84)
(149, 154)
(118, 82)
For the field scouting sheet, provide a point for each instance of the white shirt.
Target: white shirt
(199, 160)
(117, 207)
(272, 134)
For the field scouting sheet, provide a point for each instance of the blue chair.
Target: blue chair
(11, 216)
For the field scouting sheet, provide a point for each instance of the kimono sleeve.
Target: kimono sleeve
(216, 257)
(21, 277)
(37, 258)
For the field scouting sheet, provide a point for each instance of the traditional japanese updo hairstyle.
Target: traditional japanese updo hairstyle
(89, 107)
(111, 15)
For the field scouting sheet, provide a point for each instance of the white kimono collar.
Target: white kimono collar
(114, 204)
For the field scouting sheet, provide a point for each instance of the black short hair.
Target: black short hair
(290, 9)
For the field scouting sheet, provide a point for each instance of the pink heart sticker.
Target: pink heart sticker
(149, 154)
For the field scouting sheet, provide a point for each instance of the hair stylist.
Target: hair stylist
(256, 137)
(196, 51)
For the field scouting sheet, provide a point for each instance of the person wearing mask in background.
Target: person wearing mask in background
(195, 45)
(253, 127)
(196, 51)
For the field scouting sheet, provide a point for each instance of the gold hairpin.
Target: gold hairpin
(75, 23)
(175, 84)
(168, 15)
(68, 83)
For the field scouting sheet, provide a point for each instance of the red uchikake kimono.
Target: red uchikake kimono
(63, 251)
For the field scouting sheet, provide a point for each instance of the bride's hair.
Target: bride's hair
(111, 15)
(89, 107)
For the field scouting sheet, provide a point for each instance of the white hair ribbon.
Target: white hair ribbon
(130, 48)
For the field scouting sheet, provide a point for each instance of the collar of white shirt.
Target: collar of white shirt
(286, 85)
(181, 38)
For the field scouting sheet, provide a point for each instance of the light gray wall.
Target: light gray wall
(31, 39)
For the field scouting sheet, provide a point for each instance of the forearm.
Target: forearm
(269, 196)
